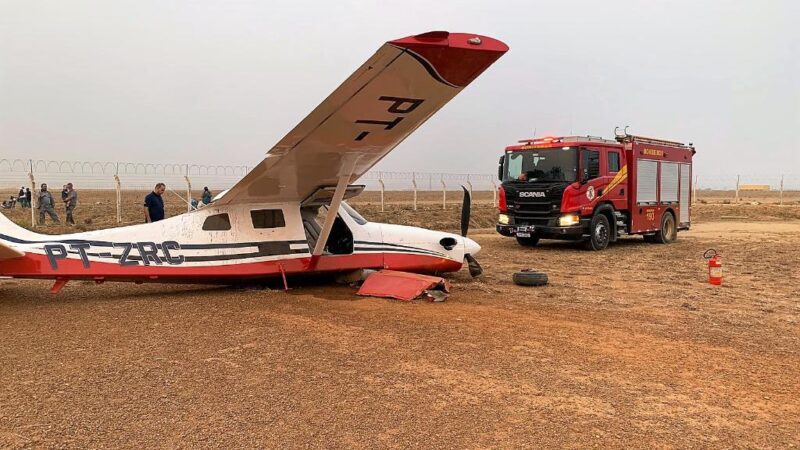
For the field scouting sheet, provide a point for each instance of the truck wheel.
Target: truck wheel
(668, 232)
(528, 242)
(600, 233)
(530, 278)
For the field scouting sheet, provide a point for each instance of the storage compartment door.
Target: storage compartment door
(646, 181)
(686, 192)
(669, 182)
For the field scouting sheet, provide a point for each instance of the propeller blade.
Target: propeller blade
(475, 269)
(465, 212)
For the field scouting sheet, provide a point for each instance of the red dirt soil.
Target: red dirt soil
(629, 347)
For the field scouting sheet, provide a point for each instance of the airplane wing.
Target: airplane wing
(385, 100)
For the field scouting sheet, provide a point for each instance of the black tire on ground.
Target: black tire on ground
(599, 233)
(528, 242)
(530, 278)
(668, 232)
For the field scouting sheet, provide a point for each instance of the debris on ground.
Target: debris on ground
(404, 286)
(528, 277)
(354, 278)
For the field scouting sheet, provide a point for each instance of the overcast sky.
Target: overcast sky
(221, 82)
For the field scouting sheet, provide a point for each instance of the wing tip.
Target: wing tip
(453, 40)
(457, 57)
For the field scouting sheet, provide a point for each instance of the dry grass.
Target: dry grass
(629, 347)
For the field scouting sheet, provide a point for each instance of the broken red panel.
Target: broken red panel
(401, 285)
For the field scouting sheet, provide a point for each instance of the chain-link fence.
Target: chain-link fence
(123, 185)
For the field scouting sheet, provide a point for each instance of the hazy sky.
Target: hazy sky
(221, 82)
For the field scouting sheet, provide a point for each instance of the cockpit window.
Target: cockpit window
(217, 222)
(267, 218)
(354, 214)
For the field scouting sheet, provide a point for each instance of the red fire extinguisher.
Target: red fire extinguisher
(714, 266)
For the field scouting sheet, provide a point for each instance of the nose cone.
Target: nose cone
(471, 247)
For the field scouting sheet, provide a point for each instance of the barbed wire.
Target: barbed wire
(99, 174)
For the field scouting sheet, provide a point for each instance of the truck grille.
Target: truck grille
(531, 208)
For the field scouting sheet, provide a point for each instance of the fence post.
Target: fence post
(737, 189)
(414, 183)
(383, 189)
(34, 197)
(694, 191)
(444, 193)
(494, 194)
(781, 198)
(188, 193)
(118, 186)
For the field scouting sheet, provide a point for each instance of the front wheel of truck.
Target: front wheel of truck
(599, 233)
(528, 241)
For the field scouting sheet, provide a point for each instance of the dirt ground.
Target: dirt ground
(629, 347)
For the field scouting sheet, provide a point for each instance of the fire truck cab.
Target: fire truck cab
(595, 190)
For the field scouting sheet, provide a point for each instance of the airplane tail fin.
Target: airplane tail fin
(7, 252)
(8, 232)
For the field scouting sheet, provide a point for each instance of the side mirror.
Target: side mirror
(585, 176)
(500, 168)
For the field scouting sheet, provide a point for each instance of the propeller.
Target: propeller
(466, 210)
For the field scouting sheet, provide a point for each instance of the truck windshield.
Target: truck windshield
(547, 164)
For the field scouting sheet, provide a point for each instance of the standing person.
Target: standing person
(70, 202)
(21, 196)
(206, 196)
(28, 198)
(46, 203)
(154, 204)
(64, 193)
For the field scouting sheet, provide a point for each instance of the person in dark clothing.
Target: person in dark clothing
(70, 202)
(46, 203)
(206, 196)
(28, 198)
(64, 193)
(154, 204)
(21, 196)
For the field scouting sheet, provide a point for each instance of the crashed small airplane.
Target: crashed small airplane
(277, 220)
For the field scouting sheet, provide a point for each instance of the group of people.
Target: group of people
(46, 204)
(23, 198)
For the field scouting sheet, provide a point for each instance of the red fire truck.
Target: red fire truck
(595, 190)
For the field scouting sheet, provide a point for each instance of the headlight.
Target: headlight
(569, 220)
(503, 219)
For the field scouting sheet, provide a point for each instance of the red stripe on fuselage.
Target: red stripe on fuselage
(38, 266)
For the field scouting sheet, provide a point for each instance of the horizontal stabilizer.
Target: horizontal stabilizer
(7, 252)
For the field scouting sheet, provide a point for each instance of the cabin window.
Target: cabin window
(590, 164)
(613, 162)
(217, 222)
(267, 218)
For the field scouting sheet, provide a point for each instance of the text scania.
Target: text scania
(148, 253)
(532, 194)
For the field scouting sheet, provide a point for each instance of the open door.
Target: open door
(340, 241)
